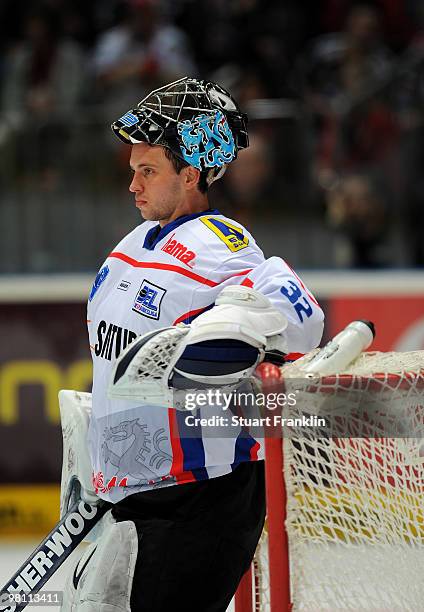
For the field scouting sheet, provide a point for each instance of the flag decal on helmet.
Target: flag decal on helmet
(129, 119)
(207, 141)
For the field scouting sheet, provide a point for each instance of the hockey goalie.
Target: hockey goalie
(185, 303)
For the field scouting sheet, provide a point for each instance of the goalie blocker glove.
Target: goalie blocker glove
(220, 349)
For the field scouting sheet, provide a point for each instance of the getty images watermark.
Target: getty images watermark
(223, 400)
(354, 412)
(256, 411)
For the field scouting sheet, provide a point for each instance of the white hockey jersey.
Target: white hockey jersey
(157, 277)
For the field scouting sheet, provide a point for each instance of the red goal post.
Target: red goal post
(344, 508)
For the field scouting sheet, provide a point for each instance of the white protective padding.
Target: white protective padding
(76, 481)
(102, 579)
(143, 371)
(241, 313)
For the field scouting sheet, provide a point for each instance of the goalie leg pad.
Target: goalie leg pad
(102, 579)
(76, 481)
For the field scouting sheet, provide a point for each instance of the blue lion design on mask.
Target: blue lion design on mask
(207, 141)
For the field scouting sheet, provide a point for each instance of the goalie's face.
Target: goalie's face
(160, 193)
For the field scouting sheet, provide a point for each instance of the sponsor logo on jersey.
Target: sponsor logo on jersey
(148, 300)
(231, 235)
(98, 481)
(124, 285)
(112, 340)
(179, 251)
(101, 276)
(100, 486)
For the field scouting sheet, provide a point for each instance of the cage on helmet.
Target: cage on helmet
(197, 120)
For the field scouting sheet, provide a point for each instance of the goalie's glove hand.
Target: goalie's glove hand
(221, 348)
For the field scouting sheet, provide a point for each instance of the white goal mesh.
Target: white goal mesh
(355, 505)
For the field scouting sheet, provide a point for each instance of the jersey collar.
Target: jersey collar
(157, 233)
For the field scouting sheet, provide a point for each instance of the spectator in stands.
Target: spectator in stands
(344, 74)
(43, 83)
(410, 106)
(249, 184)
(322, 64)
(356, 210)
(138, 54)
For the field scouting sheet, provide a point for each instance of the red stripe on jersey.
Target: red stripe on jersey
(191, 313)
(242, 273)
(293, 356)
(171, 268)
(177, 451)
(302, 285)
(254, 451)
(159, 266)
(247, 283)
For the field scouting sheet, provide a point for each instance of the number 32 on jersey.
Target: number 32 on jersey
(296, 297)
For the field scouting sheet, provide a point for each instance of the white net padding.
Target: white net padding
(355, 506)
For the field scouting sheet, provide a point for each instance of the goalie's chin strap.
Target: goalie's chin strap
(221, 348)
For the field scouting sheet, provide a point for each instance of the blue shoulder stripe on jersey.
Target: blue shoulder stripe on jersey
(200, 473)
(191, 317)
(158, 233)
(192, 447)
(244, 444)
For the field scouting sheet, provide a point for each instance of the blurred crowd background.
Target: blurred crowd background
(334, 91)
(333, 178)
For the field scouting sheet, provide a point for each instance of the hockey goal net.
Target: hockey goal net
(345, 525)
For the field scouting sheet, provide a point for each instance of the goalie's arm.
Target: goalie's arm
(275, 304)
(220, 347)
(289, 295)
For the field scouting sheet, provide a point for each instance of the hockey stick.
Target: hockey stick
(50, 554)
